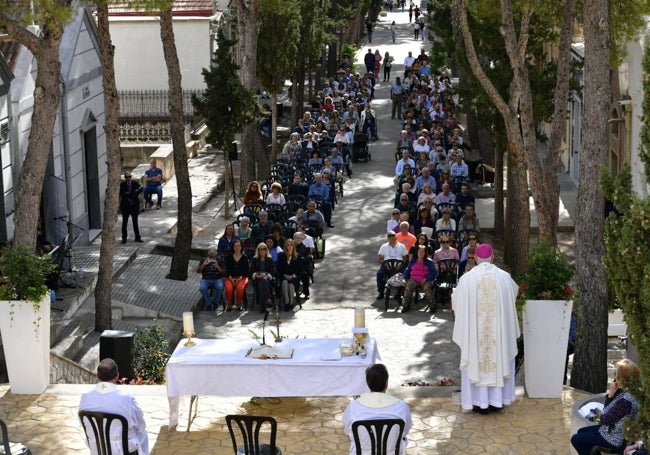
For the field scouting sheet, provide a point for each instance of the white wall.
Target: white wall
(139, 60)
(635, 75)
(84, 93)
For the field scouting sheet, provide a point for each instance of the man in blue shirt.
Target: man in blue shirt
(321, 191)
(425, 177)
(153, 184)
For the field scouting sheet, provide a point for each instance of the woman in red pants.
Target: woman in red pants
(236, 275)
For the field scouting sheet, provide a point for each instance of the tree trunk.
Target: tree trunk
(516, 49)
(551, 159)
(103, 318)
(499, 226)
(520, 222)
(247, 156)
(518, 132)
(298, 94)
(248, 23)
(227, 190)
(274, 127)
(590, 363)
(47, 96)
(183, 243)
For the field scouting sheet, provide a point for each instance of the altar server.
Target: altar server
(377, 405)
(106, 397)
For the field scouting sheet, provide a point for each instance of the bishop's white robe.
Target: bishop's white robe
(486, 330)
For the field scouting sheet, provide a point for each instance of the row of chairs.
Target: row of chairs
(446, 279)
(244, 433)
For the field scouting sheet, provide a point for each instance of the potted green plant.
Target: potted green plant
(25, 318)
(548, 276)
(545, 295)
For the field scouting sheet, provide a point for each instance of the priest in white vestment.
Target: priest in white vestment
(377, 405)
(486, 330)
(107, 397)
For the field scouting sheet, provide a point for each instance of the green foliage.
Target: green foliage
(44, 12)
(227, 105)
(150, 355)
(548, 275)
(437, 58)
(626, 19)
(485, 24)
(23, 274)
(277, 43)
(627, 258)
(349, 49)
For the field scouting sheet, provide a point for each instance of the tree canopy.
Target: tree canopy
(226, 105)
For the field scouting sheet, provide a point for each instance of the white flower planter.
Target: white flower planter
(26, 344)
(546, 334)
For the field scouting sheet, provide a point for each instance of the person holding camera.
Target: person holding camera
(211, 278)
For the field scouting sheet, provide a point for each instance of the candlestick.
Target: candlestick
(359, 316)
(188, 322)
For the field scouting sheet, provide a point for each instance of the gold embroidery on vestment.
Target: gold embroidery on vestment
(486, 304)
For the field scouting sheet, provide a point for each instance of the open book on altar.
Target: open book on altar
(270, 352)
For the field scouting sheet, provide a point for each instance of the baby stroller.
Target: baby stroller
(360, 148)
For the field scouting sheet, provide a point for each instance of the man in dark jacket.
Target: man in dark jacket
(369, 61)
(130, 205)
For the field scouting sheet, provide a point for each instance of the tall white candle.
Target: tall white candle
(188, 322)
(359, 317)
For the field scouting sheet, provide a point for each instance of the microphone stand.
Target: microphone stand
(266, 317)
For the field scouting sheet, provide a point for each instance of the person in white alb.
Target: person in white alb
(486, 330)
(106, 397)
(377, 405)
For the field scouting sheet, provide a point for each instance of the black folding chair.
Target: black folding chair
(393, 267)
(97, 426)
(379, 432)
(11, 448)
(249, 431)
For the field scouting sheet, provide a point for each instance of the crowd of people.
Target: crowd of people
(433, 230)
(434, 216)
(273, 243)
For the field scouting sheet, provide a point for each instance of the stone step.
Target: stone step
(71, 335)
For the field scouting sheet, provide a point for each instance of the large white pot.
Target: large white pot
(546, 334)
(26, 344)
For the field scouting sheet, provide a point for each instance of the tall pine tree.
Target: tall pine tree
(227, 105)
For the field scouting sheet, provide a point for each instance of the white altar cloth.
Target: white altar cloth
(221, 368)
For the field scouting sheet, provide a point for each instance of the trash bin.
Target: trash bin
(118, 345)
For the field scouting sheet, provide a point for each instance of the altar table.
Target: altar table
(221, 368)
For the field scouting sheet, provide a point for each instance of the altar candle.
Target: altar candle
(188, 322)
(359, 317)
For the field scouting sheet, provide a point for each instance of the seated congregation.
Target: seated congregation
(433, 230)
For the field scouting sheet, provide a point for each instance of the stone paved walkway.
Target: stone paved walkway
(415, 346)
(49, 425)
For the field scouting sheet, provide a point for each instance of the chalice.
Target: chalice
(360, 336)
(189, 336)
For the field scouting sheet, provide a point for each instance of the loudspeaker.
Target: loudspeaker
(232, 154)
(118, 345)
